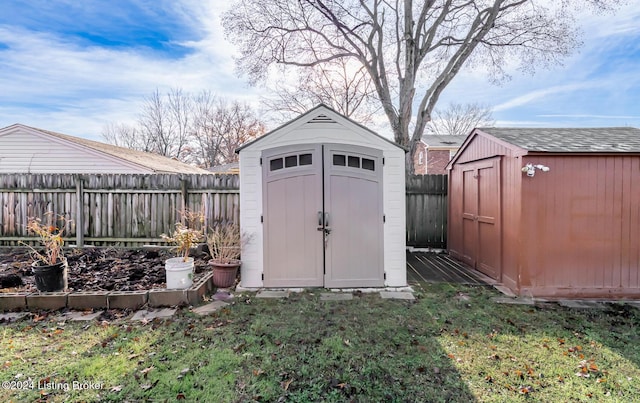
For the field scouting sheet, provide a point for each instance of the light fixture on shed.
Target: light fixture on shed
(530, 169)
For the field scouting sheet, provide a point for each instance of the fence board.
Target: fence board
(427, 211)
(113, 209)
(131, 210)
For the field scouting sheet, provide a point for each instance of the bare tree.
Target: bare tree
(220, 127)
(410, 50)
(459, 119)
(164, 123)
(201, 129)
(345, 87)
(124, 135)
(180, 113)
(237, 125)
(206, 130)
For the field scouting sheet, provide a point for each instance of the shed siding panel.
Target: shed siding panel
(582, 219)
(512, 237)
(23, 152)
(482, 147)
(454, 219)
(250, 212)
(394, 205)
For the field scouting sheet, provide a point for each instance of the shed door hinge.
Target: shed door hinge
(385, 275)
(382, 160)
(261, 218)
(262, 276)
(260, 161)
(384, 218)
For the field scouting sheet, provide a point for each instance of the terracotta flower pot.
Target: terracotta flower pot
(50, 278)
(224, 274)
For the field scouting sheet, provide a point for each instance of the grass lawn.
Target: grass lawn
(453, 344)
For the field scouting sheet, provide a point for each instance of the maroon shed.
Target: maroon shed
(549, 212)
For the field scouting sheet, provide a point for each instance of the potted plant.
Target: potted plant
(49, 266)
(179, 270)
(224, 242)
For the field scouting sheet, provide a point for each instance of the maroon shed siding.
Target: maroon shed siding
(571, 232)
(583, 227)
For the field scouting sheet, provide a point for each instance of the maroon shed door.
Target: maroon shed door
(323, 220)
(482, 247)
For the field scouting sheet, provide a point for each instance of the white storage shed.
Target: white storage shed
(322, 202)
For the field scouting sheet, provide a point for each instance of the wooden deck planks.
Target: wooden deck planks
(440, 268)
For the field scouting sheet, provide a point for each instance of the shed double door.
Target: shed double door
(481, 216)
(322, 216)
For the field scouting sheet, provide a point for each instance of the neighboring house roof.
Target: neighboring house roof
(574, 140)
(437, 141)
(154, 162)
(230, 168)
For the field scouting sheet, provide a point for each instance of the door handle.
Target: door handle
(327, 230)
(323, 222)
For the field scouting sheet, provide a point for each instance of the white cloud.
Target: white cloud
(541, 94)
(52, 82)
(587, 116)
(623, 22)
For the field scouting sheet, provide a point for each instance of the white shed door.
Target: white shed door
(322, 215)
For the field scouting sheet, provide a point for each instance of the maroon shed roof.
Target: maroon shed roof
(574, 140)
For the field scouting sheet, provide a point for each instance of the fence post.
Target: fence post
(184, 188)
(79, 211)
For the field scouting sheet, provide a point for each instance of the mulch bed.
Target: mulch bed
(97, 269)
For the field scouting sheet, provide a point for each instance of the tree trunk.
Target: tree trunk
(409, 167)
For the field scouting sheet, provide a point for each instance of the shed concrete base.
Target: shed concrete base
(363, 290)
(330, 296)
(397, 295)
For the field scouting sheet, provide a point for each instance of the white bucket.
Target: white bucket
(179, 273)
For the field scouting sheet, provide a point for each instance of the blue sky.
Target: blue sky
(73, 66)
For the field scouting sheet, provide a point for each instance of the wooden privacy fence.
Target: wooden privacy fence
(134, 209)
(427, 211)
(113, 209)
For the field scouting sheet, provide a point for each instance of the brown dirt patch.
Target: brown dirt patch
(99, 269)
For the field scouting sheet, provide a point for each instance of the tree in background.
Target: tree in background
(459, 119)
(341, 86)
(164, 123)
(202, 129)
(410, 50)
(124, 135)
(220, 127)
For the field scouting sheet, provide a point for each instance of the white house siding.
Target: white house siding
(338, 130)
(25, 151)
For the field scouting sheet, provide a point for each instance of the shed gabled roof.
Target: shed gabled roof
(571, 140)
(318, 114)
(156, 163)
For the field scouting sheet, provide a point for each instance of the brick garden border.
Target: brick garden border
(160, 297)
